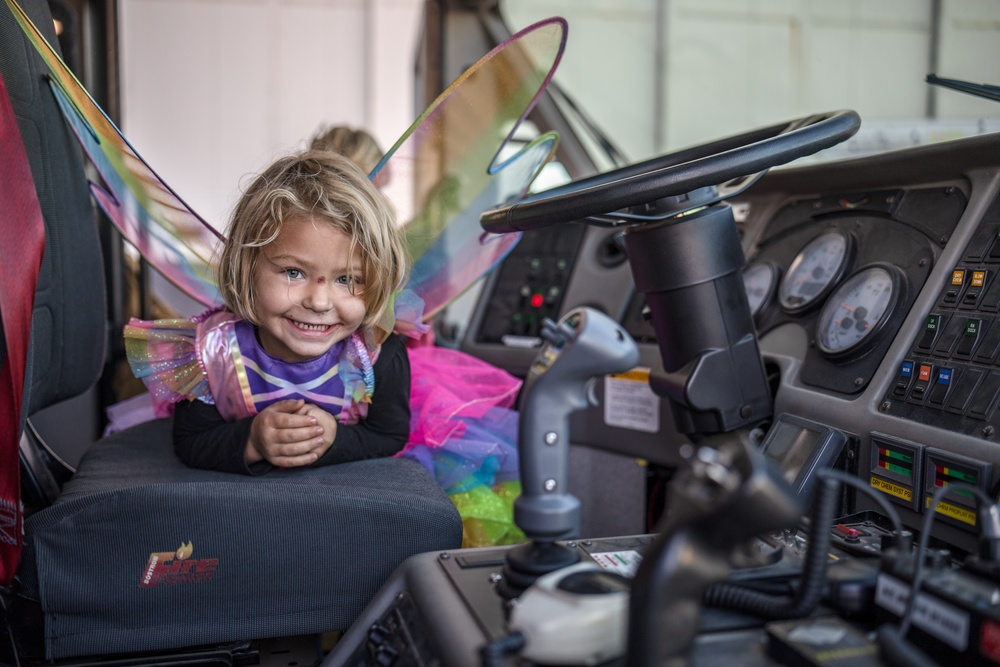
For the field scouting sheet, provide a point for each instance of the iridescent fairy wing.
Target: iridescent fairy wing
(168, 234)
(453, 153)
(460, 160)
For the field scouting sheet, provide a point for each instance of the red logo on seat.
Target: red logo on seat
(177, 567)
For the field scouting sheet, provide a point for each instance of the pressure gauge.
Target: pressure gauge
(814, 271)
(760, 280)
(857, 310)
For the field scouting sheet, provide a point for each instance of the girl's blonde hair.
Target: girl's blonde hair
(325, 187)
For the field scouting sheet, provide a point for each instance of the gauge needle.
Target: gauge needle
(846, 307)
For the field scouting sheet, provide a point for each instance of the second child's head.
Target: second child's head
(313, 253)
(355, 144)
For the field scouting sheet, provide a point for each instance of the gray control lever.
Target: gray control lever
(583, 346)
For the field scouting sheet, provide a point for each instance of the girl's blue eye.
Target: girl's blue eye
(293, 273)
(349, 280)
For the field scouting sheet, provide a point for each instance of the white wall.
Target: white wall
(662, 74)
(213, 90)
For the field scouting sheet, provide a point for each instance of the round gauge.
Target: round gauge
(814, 271)
(759, 280)
(857, 310)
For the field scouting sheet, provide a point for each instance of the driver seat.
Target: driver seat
(136, 552)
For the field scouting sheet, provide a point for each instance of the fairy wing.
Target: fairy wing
(147, 212)
(460, 160)
(458, 153)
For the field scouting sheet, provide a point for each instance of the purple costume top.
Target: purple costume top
(217, 358)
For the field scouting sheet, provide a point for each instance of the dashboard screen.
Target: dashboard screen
(791, 447)
(800, 448)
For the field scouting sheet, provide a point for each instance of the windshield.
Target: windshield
(657, 75)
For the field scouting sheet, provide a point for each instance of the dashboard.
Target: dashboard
(874, 288)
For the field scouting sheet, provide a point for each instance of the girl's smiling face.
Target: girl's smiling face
(307, 299)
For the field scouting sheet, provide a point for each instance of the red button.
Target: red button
(847, 531)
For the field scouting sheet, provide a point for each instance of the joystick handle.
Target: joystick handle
(584, 345)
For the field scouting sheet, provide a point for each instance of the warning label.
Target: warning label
(625, 563)
(953, 511)
(892, 489)
(630, 403)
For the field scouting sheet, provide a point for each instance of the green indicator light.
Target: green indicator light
(898, 469)
(899, 456)
(962, 492)
(958, 474)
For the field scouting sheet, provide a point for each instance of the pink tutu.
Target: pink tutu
(464, 431)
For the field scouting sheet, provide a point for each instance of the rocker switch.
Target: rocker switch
(939, 390)
(904, 379)
(931, 329)
(925, 374)
(967, 342)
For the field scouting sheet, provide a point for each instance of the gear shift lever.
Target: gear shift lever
(583, 346)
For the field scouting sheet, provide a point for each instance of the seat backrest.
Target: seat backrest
(68, 327)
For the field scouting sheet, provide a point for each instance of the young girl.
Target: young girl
(284, 375)
(301, 368)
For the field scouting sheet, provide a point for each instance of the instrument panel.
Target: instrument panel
(917, 297)
(846, 268)
(872, 282)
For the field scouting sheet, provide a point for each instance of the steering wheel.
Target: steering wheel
(675, 174)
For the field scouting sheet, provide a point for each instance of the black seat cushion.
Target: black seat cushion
(143, 553)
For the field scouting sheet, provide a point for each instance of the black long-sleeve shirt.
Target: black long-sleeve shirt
(203, 439)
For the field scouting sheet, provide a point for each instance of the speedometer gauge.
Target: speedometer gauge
(759, 280)
(814, 271)
(857, 310)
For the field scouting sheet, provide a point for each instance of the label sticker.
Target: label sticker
(625, 563)
(937, 618)
(630, 403)
(953, 511)
(892, 489)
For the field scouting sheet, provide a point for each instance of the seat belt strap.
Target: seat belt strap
(22, 241)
